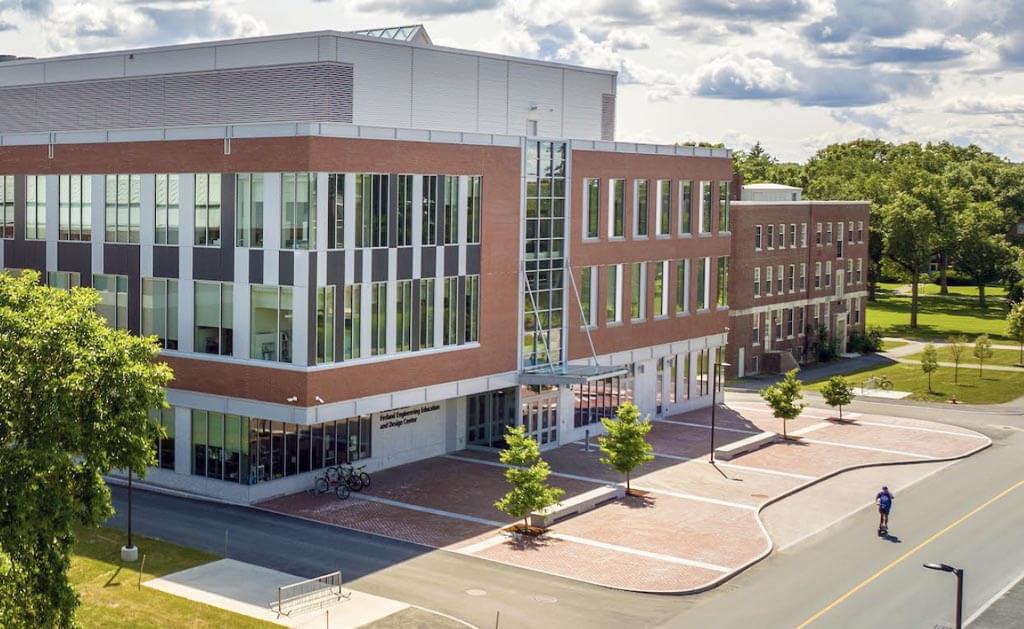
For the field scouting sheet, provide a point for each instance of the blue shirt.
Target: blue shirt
(884, 499)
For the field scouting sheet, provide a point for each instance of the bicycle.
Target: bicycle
(879, 382)
(331, 481)
(355, 477)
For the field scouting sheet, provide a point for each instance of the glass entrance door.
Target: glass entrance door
(487, 415)
(539, 413)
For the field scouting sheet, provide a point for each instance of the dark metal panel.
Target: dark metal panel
(75, 257)
(227, 227)
(451, 260)
(336, 268)
(165, 261)
(255, 266)
(26, 254)
(472, 259)
(357, 266)
(379, 270)
(428, 261)
(121, 259)
(206, 264)
(286, 268)
(405, 263)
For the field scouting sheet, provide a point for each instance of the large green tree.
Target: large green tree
(981, 250)
(75, 397)
(910, 231)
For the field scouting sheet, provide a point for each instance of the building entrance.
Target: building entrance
(487, 415)
(539, 413)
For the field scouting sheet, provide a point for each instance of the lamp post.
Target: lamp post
(129, 552)
(959, 573)
(714, 387)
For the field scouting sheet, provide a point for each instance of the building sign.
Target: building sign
(405, 416)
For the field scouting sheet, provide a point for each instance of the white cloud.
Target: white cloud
(743, 77)
(986, 104)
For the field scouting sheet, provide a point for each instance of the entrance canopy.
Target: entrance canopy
(572, 374)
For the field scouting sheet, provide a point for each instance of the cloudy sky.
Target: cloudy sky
(794, 74)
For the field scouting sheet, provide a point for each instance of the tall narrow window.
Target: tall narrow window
(703, 290)
(122, 211)
(113, 305)
(642, 207)
(769, 280)
(166, 210)
(771, 236)
(249, 210)
(757, 237)
(378, 318)
(271, 323)
(474, 209)
(817, 235)
(817, 275)
(792, 235)
(682, 286)
(617, 208)
(35, 207)
(160, 310)
(591, 207)
(780, 279)
(207, 209)
(371, 210)
(660, 290)
(7, 206)
(325, 297)
(803, 235)
(352, 316)
(451, 312)
(451, 210)
(638, 287)
(664, 206)
(828, 233)
(164, 445)
(426, 323)
(723, 282)
(705, 207)
(429, 209)
(336, 211)
(586, 294)
(723, 206)
(214, 318)
(472, 314)
(403, 316)
(75, 201)
(404, 213)
(298, 210)
(792, 278)
(613, 299)
(782, 236)
(685, 207)
(803, 276)
(860, 270)
(757, 282)
(828, 274)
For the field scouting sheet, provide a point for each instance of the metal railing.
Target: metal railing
(310, 593)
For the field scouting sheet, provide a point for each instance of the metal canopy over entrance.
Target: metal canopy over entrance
(572, 374)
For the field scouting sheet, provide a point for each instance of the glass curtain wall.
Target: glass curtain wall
(249, 209)
(271, 323)
(75, 200)
(166, 210)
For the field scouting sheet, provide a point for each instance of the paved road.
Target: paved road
(784, 591)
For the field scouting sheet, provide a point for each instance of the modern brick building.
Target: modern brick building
(363, 247)
(797, 267)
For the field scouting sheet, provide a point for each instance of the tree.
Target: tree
(625, 444)
(528, 476)
(784, 399)
(982, 350)
(957, 347)
(910, 231)
(837, 392)
(929, 363)
(980, 249)
(75, 397)
(1015, 326)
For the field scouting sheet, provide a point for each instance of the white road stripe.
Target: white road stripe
(707, 426)
(812, 428)
(422, 509)
(640, 553)
(869, 448)
(966, 435)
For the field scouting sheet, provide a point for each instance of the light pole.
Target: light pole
(714, 387)
(959, 573)
(129, 552)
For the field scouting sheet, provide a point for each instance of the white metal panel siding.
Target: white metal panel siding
(583, 94)
(608, 117)
(274, 52)
(535, 86)
(19, 73)
(84, 69)
(382, 91)
(492, 114)
(444, 90)
(180, 60)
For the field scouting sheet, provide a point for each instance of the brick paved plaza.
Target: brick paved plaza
(697, 524)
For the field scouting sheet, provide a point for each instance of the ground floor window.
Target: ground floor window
(487, 415)
(599, 399)
(164, 446)
(113, 305)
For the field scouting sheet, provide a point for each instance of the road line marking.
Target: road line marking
(705, 426)
(868, 448)
(764, 470)
(641, 553)
(634, 485)
(812, 428)
(674, 457)
(422, 509)
(907, 554)
(480, 546)
(998, 595)
(966, 435)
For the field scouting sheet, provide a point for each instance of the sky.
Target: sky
(795, 75)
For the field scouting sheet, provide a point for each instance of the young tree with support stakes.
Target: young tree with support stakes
(528, 476)
(625, 444)
(957, 347)
(929, 363)
(784, 398)
(837, 392)
(75, 397)
(1015, 327)
(982, 350)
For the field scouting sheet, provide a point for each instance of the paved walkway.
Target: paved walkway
(695, 525)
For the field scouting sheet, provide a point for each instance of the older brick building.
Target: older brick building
(798, 274)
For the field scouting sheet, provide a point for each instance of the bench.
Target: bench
(576, 505)
(743, 446)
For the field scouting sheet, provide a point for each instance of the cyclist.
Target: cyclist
(884, 500)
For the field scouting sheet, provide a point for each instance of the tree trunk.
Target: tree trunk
(627, 482)
(913, 300)
(981, 367)
(1022, 353)
(784, 435)
(981, 296)
(840, 411)
(943, 268)
(956, 372)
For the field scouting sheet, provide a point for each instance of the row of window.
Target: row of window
(372, 205)
(787, 323)
(271, 315)
(777, 281)
(661, 198)
(663, 271)
(775, 236)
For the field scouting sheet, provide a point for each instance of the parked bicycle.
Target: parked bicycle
(355, 477)
(879, 382)
(332, 480)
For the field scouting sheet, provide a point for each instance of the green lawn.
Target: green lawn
(939, 317)
(994, 388)
(962, 291)
(1006, 357)
(109, 590)
(887, 345)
